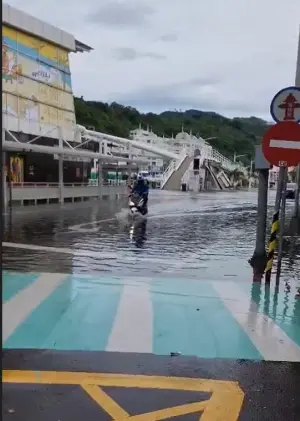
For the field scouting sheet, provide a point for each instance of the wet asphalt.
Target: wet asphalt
(208, 235)
(270, 390)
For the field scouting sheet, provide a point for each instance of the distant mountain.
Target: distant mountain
(237, 135)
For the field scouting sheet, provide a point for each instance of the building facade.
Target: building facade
(37, 97)
(182, 140)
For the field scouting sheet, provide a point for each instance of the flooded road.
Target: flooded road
(209, 236)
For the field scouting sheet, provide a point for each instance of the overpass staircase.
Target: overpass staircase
(216, 164)
(214, 176)
(171, 178)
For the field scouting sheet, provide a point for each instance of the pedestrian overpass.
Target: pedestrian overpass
(216, 164)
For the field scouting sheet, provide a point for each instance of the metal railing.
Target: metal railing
(45, 184)
(174, 165)
(94, 182)
(225, 163)
(215, 155)
(56, 185)
(207, 153)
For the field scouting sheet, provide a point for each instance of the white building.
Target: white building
(182, 140)
(155, 163)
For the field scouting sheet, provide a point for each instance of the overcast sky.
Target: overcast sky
(227, 56)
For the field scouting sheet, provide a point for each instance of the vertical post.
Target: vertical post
(250, 175)
(61, 170)
(282, 224)
(296, 216)
(275, 226)
(117, 174)
(100, 179)
(297, 193)
(259, 258)
(297, 78)
(4, 178)
(129, 165)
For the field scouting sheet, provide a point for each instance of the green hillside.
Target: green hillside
(232, 135)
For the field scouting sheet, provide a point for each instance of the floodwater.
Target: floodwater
(209, 236)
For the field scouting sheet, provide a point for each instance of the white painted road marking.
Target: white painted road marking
(133, 326)
(79, 226)
(285, 144)
(22, 304)
(89, 253)
(271, 341)
(73, 252)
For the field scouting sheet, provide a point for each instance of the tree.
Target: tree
(238, 135)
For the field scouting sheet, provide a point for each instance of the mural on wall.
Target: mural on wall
(11, 102)
(37, 49)
(36, 80)
(32, 110)
(17, 169)
(11, 71)
(29, 110)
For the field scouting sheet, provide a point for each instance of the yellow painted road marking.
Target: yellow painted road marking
(174, 411)
(224, 404)
(105, 401)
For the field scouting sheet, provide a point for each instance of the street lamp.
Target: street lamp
(210, 138)
(235, 156)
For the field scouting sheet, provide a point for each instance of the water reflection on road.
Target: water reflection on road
(208, 236)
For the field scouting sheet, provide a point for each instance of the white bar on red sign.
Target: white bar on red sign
(285, 144)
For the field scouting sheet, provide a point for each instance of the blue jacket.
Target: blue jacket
(141, 188)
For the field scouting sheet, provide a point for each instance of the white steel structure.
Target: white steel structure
(184, 144)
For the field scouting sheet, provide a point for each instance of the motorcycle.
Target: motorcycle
(137, 233)
(137, 207)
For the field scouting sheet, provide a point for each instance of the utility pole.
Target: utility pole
(259, 259)
(282, 224)
(100, 172)
(235, 156)
(61, 168)
(251, 173)
(295, 222)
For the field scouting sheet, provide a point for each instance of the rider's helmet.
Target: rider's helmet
(140, 177)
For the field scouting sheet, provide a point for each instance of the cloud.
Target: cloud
(196, 93)
(168, 37)
(223, 56)
(121, 14)
(130, 54)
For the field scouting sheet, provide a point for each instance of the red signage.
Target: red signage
(281, 144)
(289, 105)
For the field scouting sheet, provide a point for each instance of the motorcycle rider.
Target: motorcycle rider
(141, 188)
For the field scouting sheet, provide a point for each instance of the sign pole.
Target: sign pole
(281, 147)
(282, 226)
(297, 192)
(259, 258)
(279, 189)
(274, 227)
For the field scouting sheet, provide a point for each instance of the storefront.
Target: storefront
(32, 167)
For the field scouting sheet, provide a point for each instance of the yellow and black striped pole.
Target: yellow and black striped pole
(272, 246)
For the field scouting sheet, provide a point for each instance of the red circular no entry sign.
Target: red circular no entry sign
(281, 144)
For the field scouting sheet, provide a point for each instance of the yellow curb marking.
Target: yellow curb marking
(224, 404)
